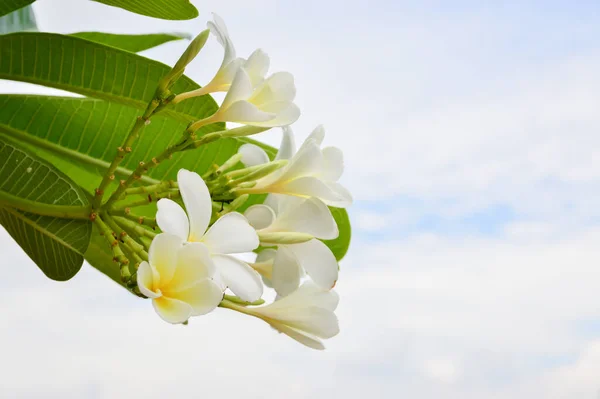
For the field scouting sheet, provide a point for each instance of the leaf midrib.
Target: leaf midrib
(75, 155)
(31, 223)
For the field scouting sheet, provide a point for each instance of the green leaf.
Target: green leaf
(8, 6)
(80, 136)
(164, 9)
(95, 70)
(22, 19)
(133, 43)
(56, 245)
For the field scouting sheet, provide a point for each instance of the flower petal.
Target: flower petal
(316, 321)
(244, 281)
(257, 66)
(318, 135)
(203, 296)
(299, 336)
(318, 261)
(307, 162)
(313, 187)
(241, 88)
(309, 294)
(253, 155)
(224, 77)
(286, 116)
(145, 280)
(246, 113)
(193, 264)
(231, 234)
(172, 310)
(309, 216)
(219, 29)
(278, 87)
(333, 163)
(287, 148)
(162, 257)
(286, 271)
(172, 219)
(260, 216)
(345, 198)
(197, 202)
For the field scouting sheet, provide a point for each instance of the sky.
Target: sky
(470, 135)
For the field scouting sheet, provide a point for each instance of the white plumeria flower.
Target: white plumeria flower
(269, 104)
(178, 278)
(286, 214)
(310, 172)
(306, 315)
(257, 64)
(230, 234)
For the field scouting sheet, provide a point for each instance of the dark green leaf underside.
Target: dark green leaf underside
(163, 9)
(55, 245)
(132, 43)
(8, 6)
(94, 70)
(22, 19)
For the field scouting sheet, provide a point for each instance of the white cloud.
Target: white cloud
(440, 110)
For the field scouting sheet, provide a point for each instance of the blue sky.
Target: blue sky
(470, 134)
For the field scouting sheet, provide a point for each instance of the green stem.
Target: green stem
(227, 304)
(139, 230)
(143, 220)
(162, 186)
(239, 301)
(144, 201)
(144, 167)
(38, 208)
(118, 255)
(134, 246)
(121, 151)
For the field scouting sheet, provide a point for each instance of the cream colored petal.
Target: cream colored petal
(345, 198)
(299, 336)
(285, 117)
(172, 219)
(307, 162)
(280, 88)
(203, 296)
(224, 77)
(240, 90)
(309, 216)
(257, 66)
(172, 310)
(246, 113)
(286, 271)
(163, 256)
(333, 163)
(145, 280)
(318, 261)
(253, 155)
(318, 134)
(316, 321)
(193, 264)
(244, 281)
(219, 29)
(197, 202)
(313, 187)
(231, 234)
(287, 148)
(259, 216)
(266, 255)
(309, 294)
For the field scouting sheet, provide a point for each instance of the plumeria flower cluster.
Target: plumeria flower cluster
(252, 226)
